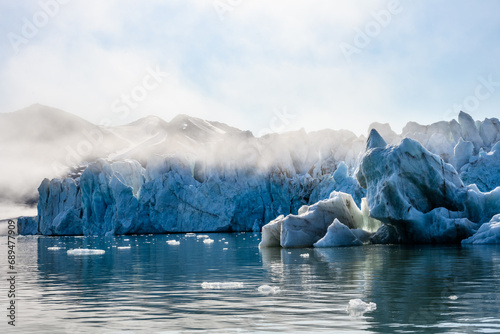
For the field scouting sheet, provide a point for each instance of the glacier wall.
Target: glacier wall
(433, 183)
(170, 195)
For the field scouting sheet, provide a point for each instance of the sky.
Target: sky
(257, 65)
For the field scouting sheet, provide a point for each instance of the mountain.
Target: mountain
(40, 141)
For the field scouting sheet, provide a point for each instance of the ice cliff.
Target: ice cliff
(433, 184)
(415, 195)
(171, 195)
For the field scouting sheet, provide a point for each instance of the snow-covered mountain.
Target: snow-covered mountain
(39, 141)
(42, 142)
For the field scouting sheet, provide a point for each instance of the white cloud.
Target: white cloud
(264, 55)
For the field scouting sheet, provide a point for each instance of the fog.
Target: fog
(41, 142)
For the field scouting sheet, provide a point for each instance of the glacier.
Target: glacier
(125, 198)
(433, 183)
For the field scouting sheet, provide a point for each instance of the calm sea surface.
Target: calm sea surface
(142, 284)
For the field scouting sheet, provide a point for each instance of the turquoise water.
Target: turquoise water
(155, 287)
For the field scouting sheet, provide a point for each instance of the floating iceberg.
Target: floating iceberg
(268, 290)
(413, 195)
(357, 307)
(315, 221)
(420, 197)
(173, 242)
(222, 285)
(208, 241)
(84, 251)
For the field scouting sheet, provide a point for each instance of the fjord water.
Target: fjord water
(142, 284)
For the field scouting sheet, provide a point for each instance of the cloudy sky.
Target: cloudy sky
(254, 64)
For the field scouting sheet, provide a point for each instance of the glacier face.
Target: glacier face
(410, 189)
(167, 196)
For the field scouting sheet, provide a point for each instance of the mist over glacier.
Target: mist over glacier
(189, 174)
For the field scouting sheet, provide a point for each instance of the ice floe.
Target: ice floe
(85, 251)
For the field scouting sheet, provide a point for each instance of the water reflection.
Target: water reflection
(156, 287)
(427, 289)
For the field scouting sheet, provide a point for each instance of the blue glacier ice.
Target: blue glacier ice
(123, 198)
(413, 194)
(432, 184)
(488, 233)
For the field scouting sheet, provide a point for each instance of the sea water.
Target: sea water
(151, 284)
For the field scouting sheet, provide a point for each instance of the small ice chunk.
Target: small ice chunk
(201, 236)
(221, 285)
(190, 235)
(173, 242)
(126, 239)
(226, 243)
(453, 297)
(85, 251)
(224, 249)
(208, 241)
(123, 247)
(358, 307)
(54, 248)
(268, 290)
(305, 255)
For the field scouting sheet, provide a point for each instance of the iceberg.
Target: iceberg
(357, 307)
(222, 285)
(412, 196)
(85, 251)
(313, 222)
(421, 197)
(268, 290)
